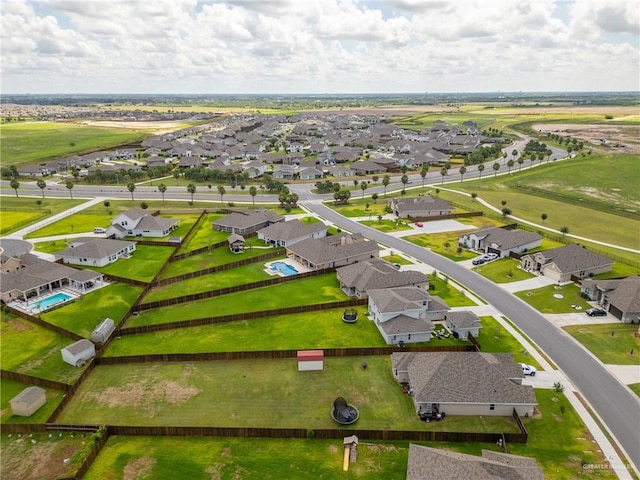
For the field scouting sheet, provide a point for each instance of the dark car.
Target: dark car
(596, 312)
(478, 261)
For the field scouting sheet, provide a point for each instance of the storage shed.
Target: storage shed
(28, 401)
(79, 352)
(103, 331)
(310, 360)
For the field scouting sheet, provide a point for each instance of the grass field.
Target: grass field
(307, 291)
(495, 338)
(24, 143)
(611, 343)
(11, 388)
(452, 296)
(544, 299)
(504, 270)
(143, 265)
(635, 388)
(33, 350)
(85, 313)
(17, 213)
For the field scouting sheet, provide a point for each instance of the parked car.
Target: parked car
(418, 224)
(596, 312)
(99, 230)
(489, 256)
(478, 261)
(529, 369)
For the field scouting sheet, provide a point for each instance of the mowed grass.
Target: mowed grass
(235, 458)
(544, 300)
(253, 272)
(16, 213)
(615, 343)
(323, 329)
(306, 291)
(495, 338)
(452, 296)
(81, 222)
(11, 388)
(86, 312)
(256, 393)
(505, 270)
(143, 265)
(23, 143)
(204, 234)
(30, 349)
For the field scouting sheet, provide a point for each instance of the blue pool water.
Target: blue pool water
(283, 268)
(50, 301)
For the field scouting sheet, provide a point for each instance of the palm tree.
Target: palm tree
(480, 169)
(404, 179)
(69, 185)
(131, 187)
(496, 167)
(41, 185)
(520, 162)
(253, 191)
(510, 164)
(191, 188)
(15, 184)
(443, 172)
(462, 171)
(176, 175)
(162, 188)
(363, 187)
(514, 153)
(385, 182)
(221, 191)
(423, 172)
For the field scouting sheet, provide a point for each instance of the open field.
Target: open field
(614, 343)
(495, 338)
(24, 143)
(143, 265)
(554, 299)
(505, 270)
(626, 135)
(11, 388)
(17, 213)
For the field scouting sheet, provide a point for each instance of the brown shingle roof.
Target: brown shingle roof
(378, 273)
(334, 248)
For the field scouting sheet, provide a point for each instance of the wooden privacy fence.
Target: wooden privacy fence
(273, 354)
(126, 281)
(44, 324)
(240, 316)
(225, 291)
(444, 217)
(71, 391)
(218, 268)
(31, 380)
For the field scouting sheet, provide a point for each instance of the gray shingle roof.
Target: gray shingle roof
(95, 248)
(248, 219)
(291, 230)
(623, 294)
(507, 239)
(464, 377)
(402, 325)
(149, 222)
(572, 258)
(79, 346)
(420, 204)
(28, 395)
(463, 319)
(378, 273)
(334, 248)
(399, 299)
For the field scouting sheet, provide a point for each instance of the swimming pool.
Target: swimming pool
(283, 268)
(50, 301)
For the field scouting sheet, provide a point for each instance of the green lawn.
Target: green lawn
(215, 257)
(452, 296)
(257, 393)
(17, 213)
(635, 388)
(253, 272)
(85, 313)
(34, 350)
(611, 343)
(313, 290)
(505, 270)
(24, 143)
(543, 299)
(143, 265)
(495, 338)
(323, 329)
(81, 222)
(11, 388)
(204, 234)
(387, 226)
(247, 459)
(51, 246)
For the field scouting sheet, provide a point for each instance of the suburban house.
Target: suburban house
(433, 463)
(620, 297)
(404, 314)
(236, 243)
(250, 221)
(333, 251)
(462, 323)
(78, 352)
(28, 401)
(419, 207)
(367, 167)
(465, 383)
(310, 173)
(283, 234)
(500, 241)
(138, 222)
(561, 263)
(95, 252)
(356, 279)
(284, 172)
(29, 276)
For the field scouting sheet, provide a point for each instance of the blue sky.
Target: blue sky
(318, 46)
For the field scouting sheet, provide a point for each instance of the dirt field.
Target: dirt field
(158, 128)
(615, 138)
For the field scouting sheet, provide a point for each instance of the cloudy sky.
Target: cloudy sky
(318, 46)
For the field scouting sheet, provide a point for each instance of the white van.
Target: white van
(99, 230)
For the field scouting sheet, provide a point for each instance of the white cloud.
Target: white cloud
(245, 46)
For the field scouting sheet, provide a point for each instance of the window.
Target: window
(492, 406)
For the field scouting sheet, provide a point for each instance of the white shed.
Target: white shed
(79, 352)
(103, 331)
(28, 401)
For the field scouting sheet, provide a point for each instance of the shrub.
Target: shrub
(558, 387)
(144, 205)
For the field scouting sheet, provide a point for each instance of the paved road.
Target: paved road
(613, 402)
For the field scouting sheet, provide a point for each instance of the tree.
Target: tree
(503, 202)
(374, 197)
(342, 196)
(375, 179)
(462, 171)
(514, 153)
(13, 172)
(355, 182)
(221, 191)
(564, 231)
(423, 172)
(191, 188)
(404, 179)
(544, 217)
(474, 195)
(253, 191)
(506, 211)
(480, 169)
(15, 184)
(176, 175)
(39, 203)
(510, 164)
(520, 162)
(162, 188)
(69, 185)
(150, 174)
(443, 172)
(132, 188)
(41, 185)
(385, 182)
(496, 167)
(106, 203)
(363, 187)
